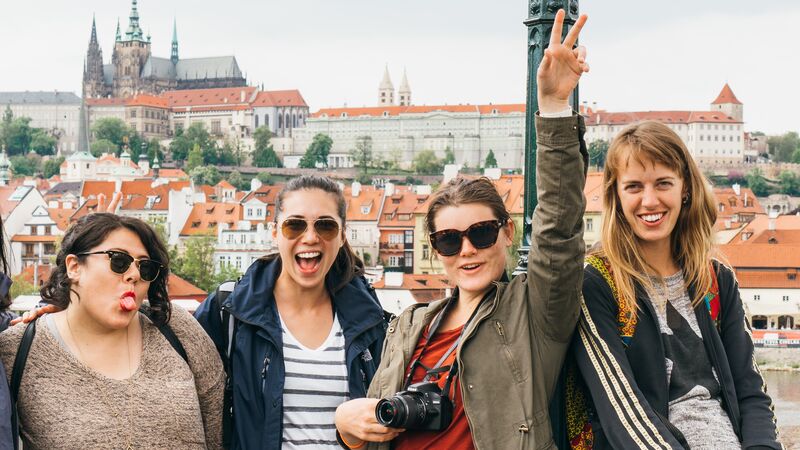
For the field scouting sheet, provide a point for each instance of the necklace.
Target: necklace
(104, 398)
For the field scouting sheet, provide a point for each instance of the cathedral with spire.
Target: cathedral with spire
(134, 70)
(386, 90)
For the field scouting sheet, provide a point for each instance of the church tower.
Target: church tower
(93, 84)
(386, 90)
(727, 103)
(130, 54)
(405, 91)
(174, 55)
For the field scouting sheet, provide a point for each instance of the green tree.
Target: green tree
(21, 286)
(362, 153)
(5, 124)
(154, 148)
(513, 251)
(427, 163)
(796, 156)
(205, 175)
(597, 153)
(52, 166)
(263, 154)
(226, 155)
(27, 165)
(180, 146)
(196, 264)
(101, 146)
(195, 158)
(227, 272)
(783, 147)
(237, 180)
(449, 156)
(111, 129)
(321, 148)
(491, 161)
(18, 136)
(42, 143)
(186, 140)
(757, 183)
(264, 177)
(789, 183)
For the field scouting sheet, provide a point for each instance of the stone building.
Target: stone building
(134, 70)
(58, 113)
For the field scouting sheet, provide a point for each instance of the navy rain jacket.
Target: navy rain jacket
(258, 369)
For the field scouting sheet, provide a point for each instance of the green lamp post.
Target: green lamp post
(541, 15)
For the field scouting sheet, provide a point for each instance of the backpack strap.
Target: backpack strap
(166, 330)
(626, 317)
(229, 324)
(16, 376)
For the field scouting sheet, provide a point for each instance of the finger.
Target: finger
(547, 60)
(112, 207)
(558, 28)
(572, 36)
(15, 321)
(101, 202)
(47, 309)
(580, 53)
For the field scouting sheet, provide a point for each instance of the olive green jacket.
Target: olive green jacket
(512, 351)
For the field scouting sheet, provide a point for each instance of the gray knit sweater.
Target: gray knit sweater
(167, 404)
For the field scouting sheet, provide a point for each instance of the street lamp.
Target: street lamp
(541, 15)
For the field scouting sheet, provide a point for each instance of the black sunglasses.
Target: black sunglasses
(326, 228)
(481, 235)
(120, 262)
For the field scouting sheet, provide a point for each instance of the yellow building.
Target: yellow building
(593, 217)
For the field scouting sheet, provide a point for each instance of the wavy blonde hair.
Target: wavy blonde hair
(692, 239)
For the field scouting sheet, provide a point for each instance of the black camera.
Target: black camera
(421, 407)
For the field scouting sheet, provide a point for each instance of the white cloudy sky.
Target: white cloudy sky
(669, 54)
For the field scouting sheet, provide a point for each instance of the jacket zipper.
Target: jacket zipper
(264, 374)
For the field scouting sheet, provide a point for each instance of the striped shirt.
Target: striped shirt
(315, 384)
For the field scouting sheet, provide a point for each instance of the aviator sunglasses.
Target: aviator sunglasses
(481, 235)
(326, 228)
(120, 262)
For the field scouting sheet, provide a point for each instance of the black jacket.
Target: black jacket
(629, 385)
(258, 369)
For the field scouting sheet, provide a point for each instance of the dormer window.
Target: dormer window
(365, 209)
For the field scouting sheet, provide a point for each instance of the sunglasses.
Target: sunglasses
(120, 262)
(481, 235)
(326, 228)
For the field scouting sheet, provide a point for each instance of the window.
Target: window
(353, 234)
(425, 251)
(133, 114)
(756, 297)
(394, 261)
(215, 127)
(409, 236)
(589, 224)
(395, 238)
(409, 259)
(785, 298)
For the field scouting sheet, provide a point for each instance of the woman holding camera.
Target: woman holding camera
(489, 356)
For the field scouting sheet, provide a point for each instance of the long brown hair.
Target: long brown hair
(691, 241)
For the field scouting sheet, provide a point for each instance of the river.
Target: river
(784, 388)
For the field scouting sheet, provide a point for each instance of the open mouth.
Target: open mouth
(471, 267)
(308, 262)
(127, 302)
(652, 219)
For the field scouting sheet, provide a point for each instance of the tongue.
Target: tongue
(307, 263)
(127, 303)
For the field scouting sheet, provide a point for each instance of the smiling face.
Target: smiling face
(650, 197)
(473, 270)
(103, 292)
(307, 258)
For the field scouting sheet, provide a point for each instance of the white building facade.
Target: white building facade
(58, 113)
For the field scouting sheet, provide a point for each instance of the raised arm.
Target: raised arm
(556, 256)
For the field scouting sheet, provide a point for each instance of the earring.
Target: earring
(685, 199)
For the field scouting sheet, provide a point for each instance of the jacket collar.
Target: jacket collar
(253, 300)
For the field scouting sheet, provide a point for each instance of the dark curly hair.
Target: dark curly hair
(89, 232)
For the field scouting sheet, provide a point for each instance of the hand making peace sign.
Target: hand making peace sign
(561, 67)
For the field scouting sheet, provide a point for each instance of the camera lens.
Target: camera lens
(405, 411)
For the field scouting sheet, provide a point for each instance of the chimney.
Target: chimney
(737, 189)
(388, 190)
(773, 218)
(241, 96)
(393, 279)
(356, 189)
(727, 224)
(745, 200)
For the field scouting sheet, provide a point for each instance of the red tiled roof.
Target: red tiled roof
(760, 225)
(511, 189)
(61, 217)
(178, 287)
(92, 188)
(768, 279)
(175, 174)
(762, 255)
(35, 238)
(593, 190)
(206, 217)
(726, 96)
(28, 272)
(148, 100)
(778, 237)
(279, 98)
(416, 281)
(368, 196)
(209, 97)
(225, 185)
(397, 206)
(377, 111)
(6, 205)
(602, 117)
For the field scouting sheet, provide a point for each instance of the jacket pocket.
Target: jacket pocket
(506, 350)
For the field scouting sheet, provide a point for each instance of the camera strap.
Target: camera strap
(437, 368)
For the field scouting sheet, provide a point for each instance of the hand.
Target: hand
(31, 315)
(356, 422)
(112, 206)
(561, 67)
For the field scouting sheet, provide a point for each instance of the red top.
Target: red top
(457, 436)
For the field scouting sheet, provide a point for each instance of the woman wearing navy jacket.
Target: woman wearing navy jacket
(308, 330)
